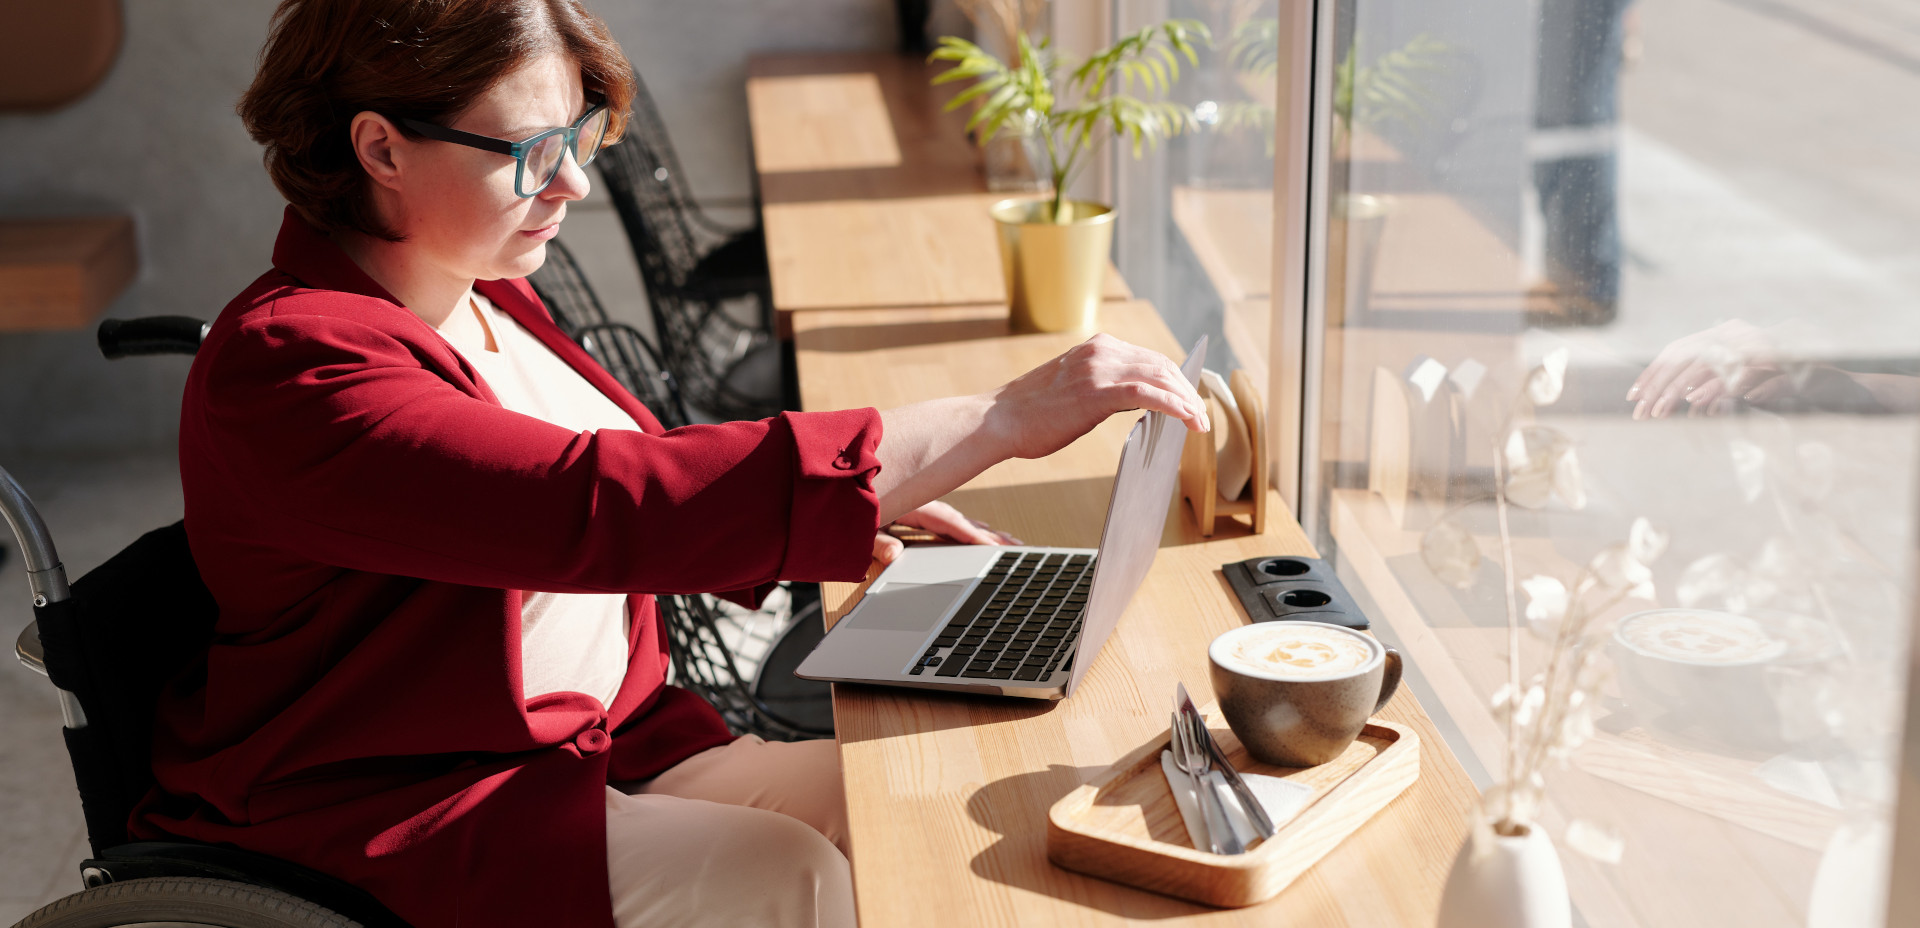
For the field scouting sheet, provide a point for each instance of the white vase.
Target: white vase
(1850, 887)
(1515, 881)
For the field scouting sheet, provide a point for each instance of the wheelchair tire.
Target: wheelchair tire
(181, 902)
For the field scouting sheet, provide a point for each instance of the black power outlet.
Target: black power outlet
(1273, 589)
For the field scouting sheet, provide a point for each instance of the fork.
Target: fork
(1187, 756)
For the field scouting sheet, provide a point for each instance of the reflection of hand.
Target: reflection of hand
(1043, 410)
(942, 520)
(1709, 370)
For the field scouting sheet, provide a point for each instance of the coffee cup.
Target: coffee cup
(1297, 693)
(1713, 675)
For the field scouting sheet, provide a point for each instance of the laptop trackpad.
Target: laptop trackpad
(906, 607)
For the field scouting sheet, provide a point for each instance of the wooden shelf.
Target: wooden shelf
(60, 273)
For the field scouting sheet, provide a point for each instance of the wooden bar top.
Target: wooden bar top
(871, 196)
(948, 794)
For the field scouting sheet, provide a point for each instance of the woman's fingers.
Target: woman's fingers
(1701, 398)
(1690, 377)
(1117, 370)
(1005, 538)
(1666, 365)
(1658, 380)
(1769, 391)
(1660, 403)
(1041, 411)
(886, 548)
(947, 522)
(1687, 364)
(1170, 393)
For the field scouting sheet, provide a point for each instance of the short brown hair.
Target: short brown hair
(327, 60)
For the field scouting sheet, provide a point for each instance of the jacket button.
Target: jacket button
(591, 742)
(847, 460)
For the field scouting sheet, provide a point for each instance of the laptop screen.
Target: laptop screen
(1136, 513)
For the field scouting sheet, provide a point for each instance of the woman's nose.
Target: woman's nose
(570, 183)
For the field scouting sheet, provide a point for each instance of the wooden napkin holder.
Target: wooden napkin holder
(1200, 465)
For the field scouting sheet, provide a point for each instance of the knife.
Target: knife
(1256, 813)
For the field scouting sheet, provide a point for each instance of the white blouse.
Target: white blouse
(569, 642)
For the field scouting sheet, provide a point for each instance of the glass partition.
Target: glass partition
(1645, 273)
(1195, 229)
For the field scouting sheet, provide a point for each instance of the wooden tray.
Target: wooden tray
(1124, 826)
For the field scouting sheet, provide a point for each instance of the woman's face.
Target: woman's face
(456, 205)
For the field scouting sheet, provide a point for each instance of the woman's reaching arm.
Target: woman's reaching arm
(929, 449)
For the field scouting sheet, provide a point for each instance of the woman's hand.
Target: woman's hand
(930, 448)
(1046, 408)
(1707, 370)
(942, 520)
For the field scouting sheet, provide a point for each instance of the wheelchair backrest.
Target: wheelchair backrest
(132, 625)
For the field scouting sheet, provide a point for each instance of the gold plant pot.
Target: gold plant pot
(1054, 270)
(1354, 225)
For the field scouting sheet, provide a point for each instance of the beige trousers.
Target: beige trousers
(748, 833)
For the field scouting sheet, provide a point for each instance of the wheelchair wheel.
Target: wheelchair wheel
(179, 902)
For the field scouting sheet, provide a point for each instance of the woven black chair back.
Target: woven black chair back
(619, 348)
(654, 204)
(692, 267)
(632, 360)
(563, 286)
(703, 663)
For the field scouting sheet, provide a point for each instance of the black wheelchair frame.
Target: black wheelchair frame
(109, 642)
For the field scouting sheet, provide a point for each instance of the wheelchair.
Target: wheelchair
(109, 642)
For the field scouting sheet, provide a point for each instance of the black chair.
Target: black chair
(704, 663)
(772, 703)
(619, 348)
(694, 269)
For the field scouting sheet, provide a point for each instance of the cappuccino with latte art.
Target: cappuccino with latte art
(1297, 693)
(1699, 637)
(1298, 652)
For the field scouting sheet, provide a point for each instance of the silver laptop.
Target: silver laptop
(1013, 621)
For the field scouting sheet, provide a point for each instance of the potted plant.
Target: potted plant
(1397, 93)
(1054, 250)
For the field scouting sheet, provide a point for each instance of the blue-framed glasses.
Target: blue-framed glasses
(537, 159)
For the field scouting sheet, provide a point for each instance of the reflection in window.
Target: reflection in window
(1709, 207)
(1657, 190)
(1195, 233)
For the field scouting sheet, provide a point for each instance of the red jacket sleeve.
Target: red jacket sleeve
(361, 453)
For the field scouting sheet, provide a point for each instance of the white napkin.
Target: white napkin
(1282, 799)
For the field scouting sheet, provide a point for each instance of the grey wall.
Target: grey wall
(159, 140)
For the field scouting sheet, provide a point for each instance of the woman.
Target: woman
(432, 523)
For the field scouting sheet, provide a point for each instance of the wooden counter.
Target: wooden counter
(948, 794)
(871, 196)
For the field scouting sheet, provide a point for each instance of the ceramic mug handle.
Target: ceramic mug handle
(1390, 680)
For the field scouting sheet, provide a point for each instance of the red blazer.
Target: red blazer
(366, 514)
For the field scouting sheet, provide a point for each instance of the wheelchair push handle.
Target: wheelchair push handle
(121, 338)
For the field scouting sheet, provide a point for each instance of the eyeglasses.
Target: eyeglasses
(537, 159)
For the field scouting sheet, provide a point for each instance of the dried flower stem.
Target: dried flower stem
(1513, 608)
(1570, 643)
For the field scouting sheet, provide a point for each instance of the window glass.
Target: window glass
(1712, 200)
(1194, 234)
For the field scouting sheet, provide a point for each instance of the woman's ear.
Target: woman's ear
(374, 141)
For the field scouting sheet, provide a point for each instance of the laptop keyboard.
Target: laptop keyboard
(1020, 623)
